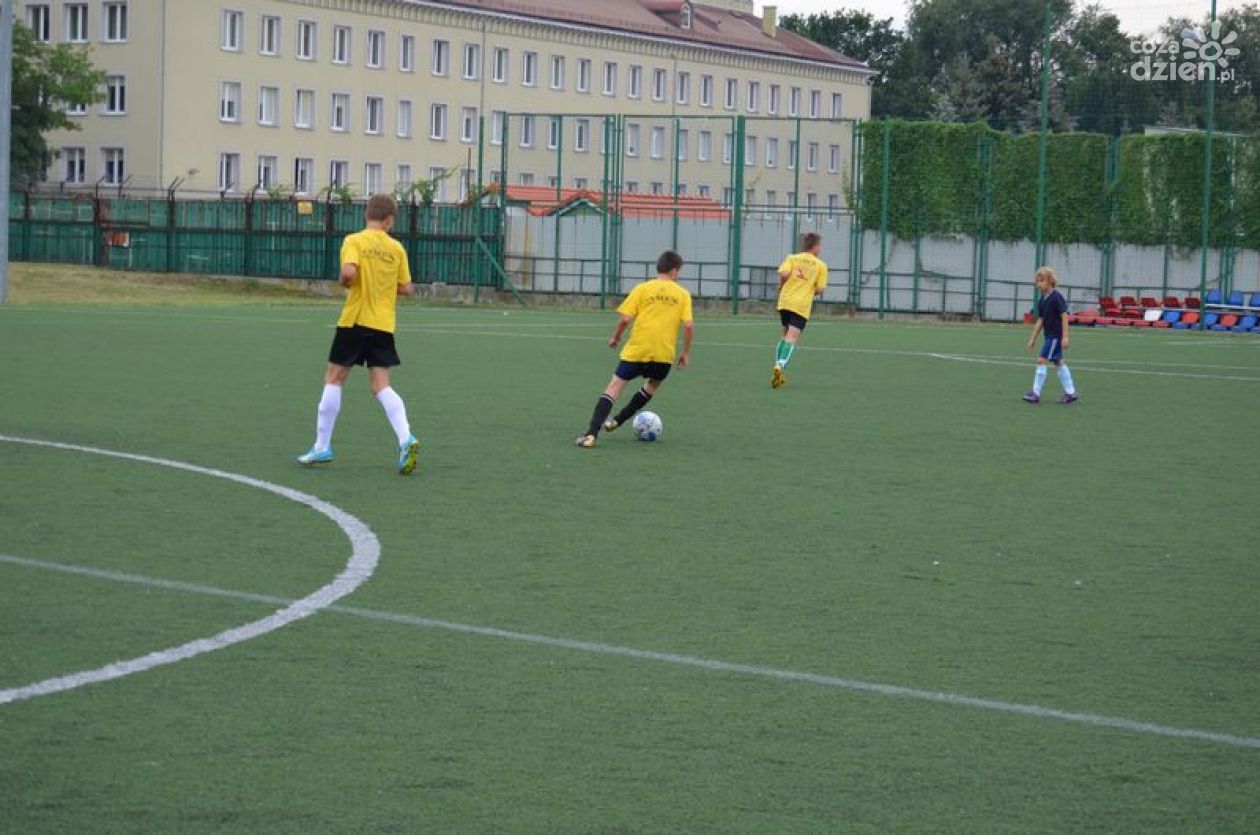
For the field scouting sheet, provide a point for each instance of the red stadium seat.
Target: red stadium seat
(1148, 301)
(1193, 303)
(1172, 302)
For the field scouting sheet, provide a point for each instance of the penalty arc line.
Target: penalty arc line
(713, 665)
(364, 556)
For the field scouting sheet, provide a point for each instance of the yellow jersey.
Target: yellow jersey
(382, 264)
(658, 307)
(807, 276)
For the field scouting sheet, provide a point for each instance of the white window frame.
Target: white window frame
(498, 121)
(404, 119)
(468, 122)
(753, 96)
(440, 66)
(772, 152)
(610, 78)
(74, 171)
(660, 84)
(704, 146)
(527, 132)
(437, 121)
(772, 103)
(308, 96)
(582, 135)
(499, 59)
(833, 159)
(264, 92)
(634, 87)
(39, 21)
(115, 103)
(728, 148)
(706, 91)
(837, 105)
(77, 19)
(632, 140)
(682, 87)
(794, 101)
(750, 151)
(731, 99)
(557, 72)
(230, 102)
(303, 170)
(342, 43)
(267, 164)
(373, 171)
(339, 103)
(229, 164)
(269, 36)
(584, 75)
(338, 172)
(114, 22)
(375, 57)
(117, 159)
(656, 142)
(811, 156)
(306, 43)
(472, 62)
(682, 140)
(402, 174)
(374, 115)
(529, 69)
(232, 30)
(815, 104)
(555, 132)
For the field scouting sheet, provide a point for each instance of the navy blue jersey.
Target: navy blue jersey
(1050, 311)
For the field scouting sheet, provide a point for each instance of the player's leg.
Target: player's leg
(383, 358)
(1065, 378)
(793, 324)
(1039, 376)
(603, 406)
(341, 359)
(658, 372)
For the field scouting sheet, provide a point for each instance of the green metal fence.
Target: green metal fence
(259, 238)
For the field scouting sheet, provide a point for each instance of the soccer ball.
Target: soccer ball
(647, 426)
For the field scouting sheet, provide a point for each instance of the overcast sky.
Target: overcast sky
(1137, 17)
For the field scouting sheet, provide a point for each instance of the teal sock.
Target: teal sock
(784, 353)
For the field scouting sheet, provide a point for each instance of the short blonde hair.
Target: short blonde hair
(1048, 274)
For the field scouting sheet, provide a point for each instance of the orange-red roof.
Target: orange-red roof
(544, 200)
(710, 26)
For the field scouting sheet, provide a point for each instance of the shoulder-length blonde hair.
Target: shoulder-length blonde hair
(1048, 274)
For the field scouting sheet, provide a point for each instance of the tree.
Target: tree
(46, 79)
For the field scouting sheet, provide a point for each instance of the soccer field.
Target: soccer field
(887, 597)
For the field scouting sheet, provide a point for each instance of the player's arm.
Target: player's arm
(349, 272)
(1063, 317)
(622, 323)
(1036, 330)
(689, 332)
(405, 287)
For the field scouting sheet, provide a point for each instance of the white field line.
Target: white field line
(1096, 370)
(365, 553)
(955, 699)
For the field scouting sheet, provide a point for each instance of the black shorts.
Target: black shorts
(657, 371)
(357, 345)
(792, 319)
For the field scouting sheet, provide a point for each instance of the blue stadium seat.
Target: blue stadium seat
(1255, 301)
(1245, 324)
(1172, 317)
(1213, 296)
(1210, 320)
(1236, 299)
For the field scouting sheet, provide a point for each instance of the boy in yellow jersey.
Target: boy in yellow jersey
(802, 278)
(374, 268)
(657, 308)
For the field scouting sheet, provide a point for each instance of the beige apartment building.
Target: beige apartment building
(228, 95)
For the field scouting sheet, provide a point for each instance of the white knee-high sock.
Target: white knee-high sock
(1039, 379)
(396, 411)
(1065, 377)
(326, 415)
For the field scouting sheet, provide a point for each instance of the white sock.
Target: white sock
(326, 415)
(1065, 377)
(1039, 379)
(396, 411)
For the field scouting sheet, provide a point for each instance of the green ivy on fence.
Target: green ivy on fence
(938, 175)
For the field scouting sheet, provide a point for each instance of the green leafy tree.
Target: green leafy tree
(46, 79)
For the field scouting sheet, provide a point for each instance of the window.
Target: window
(659, 85)
(632, 187)
(704, 149)
(115, 95)
(371, 178)
(557, 72)
(527, 131)
(656, 142)
(39, 20)
(306, 40)
(632, 140)
(815, 104)
(269, 36)
(811, 202)
(233, 26)
(339, 115)
(76, 22)
(702, 190)
(635, 88)
(468, 124)
(268, 105)
(267, 167)
(580, 182)
(441, 58)
(76, 108)
(303, 175)
(75, 170)
(835, 105)
(407, 53)
(341, 45)
(610, 78)
(728, 147)
(115, 17)
(338, 172)
(811, 157)
(437, 174)
(754, 96)
(833, 159)
(794, 153)
(498, 122)
(529, 69)
(555, 128)
(472, 61)
(682, 189)
(750, 150)
(374, 115)
(750, 196)
(791, 199)
(657, 187)
(833, 204)
(229, 172)
(794, 101)
(375, 50)
(115, 167)
(402, 175)
(437, 121)
(499, 65)
(732, 94)
(526, 178)
(230, 101)
(728, 194)
(706, 91)
(403, 119)
(772, 197)
(582, 135)
(584, 75)
(465, 183)
(772, 152)
(683, 140)
(685, 20)
(682, 87)
(304, 109)
(772, 107)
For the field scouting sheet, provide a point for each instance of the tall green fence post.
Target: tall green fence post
(885, 173)
(737, 212)
(1210, 121)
